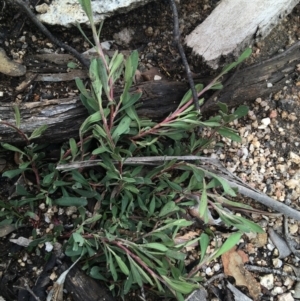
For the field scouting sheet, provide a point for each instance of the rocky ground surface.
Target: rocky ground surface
(268, 157)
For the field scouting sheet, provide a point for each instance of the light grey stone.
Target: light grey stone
(69, 12)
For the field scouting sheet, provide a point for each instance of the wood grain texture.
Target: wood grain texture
(64, 116)
(234, 25)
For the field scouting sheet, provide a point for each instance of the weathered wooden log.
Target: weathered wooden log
(236, 25)
(83, 287)
(259, 80)
(64, 116)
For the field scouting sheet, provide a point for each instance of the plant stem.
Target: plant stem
(21, 133)
(138, 260)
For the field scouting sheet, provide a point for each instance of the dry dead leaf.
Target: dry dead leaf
(152, 74)
(261, 240)
(280, 244)
(21, 241)
(6, 229)
(56, 293)
(187, 237)
(233, 262)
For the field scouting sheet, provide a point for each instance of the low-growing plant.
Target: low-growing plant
(128, 238)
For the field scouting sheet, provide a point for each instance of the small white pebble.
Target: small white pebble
(286, 297)
(42, 206)
(288, 282)
(265, 122)
(270, 247)
(277, 291)
(217, 267)
(48, 246)
(277, 263)
(269, 85)
(267, 281)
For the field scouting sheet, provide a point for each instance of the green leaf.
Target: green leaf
(156, 246)
(172, 223)
(78, 177)
(131, 188)
(176, 255)
(188, 95)
(12, 173)
(204, 242)
(96, 117)
(82, 89)
(253, 227)
(134, 60)
(168, 208)
(123, 127)
(223, 107)
(78, 239)
(102, 73)
(227, 189)
(86, 193)
(12, 148)
(128, 105)
(128, 284)
(123, 267)
(86, 6)
(135, 274)
(100, 150)
(246, 53)
(130, 68)
(229, 133)
(90, 104)
(92, 219)
(174, 186)
(20, 190)
(72, 65)
(95, 273)
(241, 111)
(17, 116)
(112, 267)
(228, 68)
(142, 273)
(210, 123)
(32, 215)
(70, 201)
(230, 242)
(182, 287)
(216, 86)
(152, 206)
(203, 204)
(115, 63)
(99, 130)
(38, 132)
(48, 179)
(73, 147)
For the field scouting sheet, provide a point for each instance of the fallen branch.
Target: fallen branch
(208, 165)
(85, 62)
(183, 56)
(267, 270)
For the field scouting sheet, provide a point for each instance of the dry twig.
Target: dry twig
(49, 35)
(182, 54)
(253, 268)
(208, 165)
